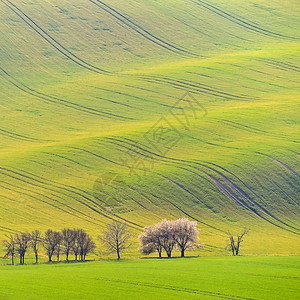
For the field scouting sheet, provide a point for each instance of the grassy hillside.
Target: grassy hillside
(143, 110)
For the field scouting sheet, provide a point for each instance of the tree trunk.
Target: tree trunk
(21, 259)
(36, 258)
(12, 259)
(118, 252)
(182, 252)
(159, 253)
(67, 256)
(75, 256)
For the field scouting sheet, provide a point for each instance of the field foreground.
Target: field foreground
(189, 278)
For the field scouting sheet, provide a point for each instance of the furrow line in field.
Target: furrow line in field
(115, 102)
(129, 95)
(194, 87)
(203, 86)
(94, 154)
(50, 40)
(253, 130)
(9, 230)
(184, 212)
(151, 91)
(280, 65)
(139, 30)
(21, 137)
(57, 101)
(68, 159)
(281, 163)
(241, 21)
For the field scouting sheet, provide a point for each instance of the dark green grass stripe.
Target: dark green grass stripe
(176, 288)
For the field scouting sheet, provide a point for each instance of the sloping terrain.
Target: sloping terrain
(143, 110)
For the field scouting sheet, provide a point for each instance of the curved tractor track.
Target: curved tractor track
(57, 101)
(140, 30)
(224, 184)
(61, 191)
(251, 26)
(51, 41)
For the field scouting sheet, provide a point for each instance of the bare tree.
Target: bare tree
(234, 244)
(50, 242)
(116, 238)
(185, 234)
(35, 241)
(22, 242)
(68, 237)
(75, 245)
(10, 248)
(150, 240)
(58, 248)
(87, 245)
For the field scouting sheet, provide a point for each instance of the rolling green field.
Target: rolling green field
(190, 278)
(143, 110)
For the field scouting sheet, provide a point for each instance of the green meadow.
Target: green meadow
(189, 278)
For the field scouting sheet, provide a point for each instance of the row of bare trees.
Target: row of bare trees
(180, 234)
(75, 241)
(168, 235)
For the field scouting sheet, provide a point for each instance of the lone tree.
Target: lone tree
(234, 244)
(22, 241)
(185, 234)
(35, 241)
(116, 238)
(151, 240)
(50, 242)
(10, 248)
